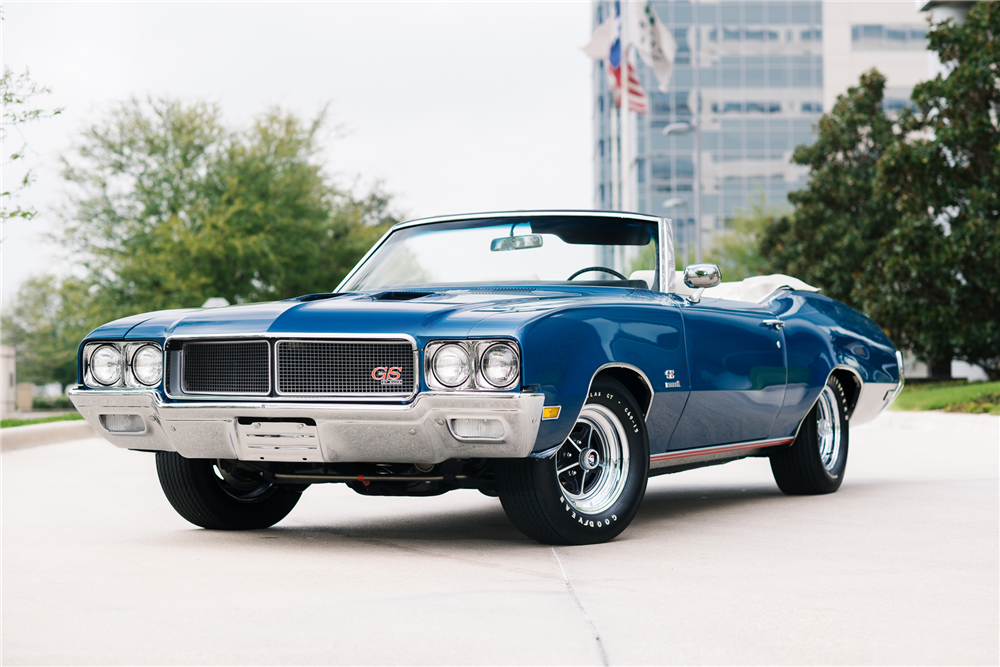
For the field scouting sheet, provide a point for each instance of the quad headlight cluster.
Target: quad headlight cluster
(472, 364)
(137, 365)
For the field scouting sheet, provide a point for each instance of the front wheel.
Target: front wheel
(816, 461)
(590, 490)
(218, 495)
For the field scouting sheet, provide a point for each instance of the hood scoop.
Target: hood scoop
(318, 297)
(400, 296)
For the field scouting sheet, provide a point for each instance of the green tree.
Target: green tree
(18, 93)
(169, 207)
(837, 217)
(45, 326)
(900, 216)
(737, 250)
(940, 178)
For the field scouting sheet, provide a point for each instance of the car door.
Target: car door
(737, 369)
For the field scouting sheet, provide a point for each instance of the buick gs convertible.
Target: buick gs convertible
(554, 359)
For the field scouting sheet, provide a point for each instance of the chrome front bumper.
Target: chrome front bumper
(419, 432)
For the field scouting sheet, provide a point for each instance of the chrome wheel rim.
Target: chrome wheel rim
(828, 428)
(592, 464)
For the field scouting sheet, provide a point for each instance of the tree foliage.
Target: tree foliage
(737, 252)
(18, 93)
(901, 217)
(45, 326)
(169, 207)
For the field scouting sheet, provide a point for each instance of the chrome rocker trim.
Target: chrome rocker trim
(417, 432)
(686, 456)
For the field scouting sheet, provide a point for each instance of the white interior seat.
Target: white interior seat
(647, 276)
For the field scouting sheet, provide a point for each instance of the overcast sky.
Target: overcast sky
(455, 107)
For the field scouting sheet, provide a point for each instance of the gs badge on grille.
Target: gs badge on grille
(388, 375)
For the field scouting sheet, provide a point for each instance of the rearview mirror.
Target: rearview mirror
(516, 243)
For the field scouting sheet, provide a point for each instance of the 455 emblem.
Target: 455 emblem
(388, 375)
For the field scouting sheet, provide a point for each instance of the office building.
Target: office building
(755, 77)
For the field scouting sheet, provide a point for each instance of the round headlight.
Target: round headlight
(452, 365)
(499, 365)
(147, 365)
(106, 365)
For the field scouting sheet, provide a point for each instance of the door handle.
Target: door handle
(776, 324)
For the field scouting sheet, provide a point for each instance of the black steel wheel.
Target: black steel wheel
(590, 489)
(816, 461)
(216, 494)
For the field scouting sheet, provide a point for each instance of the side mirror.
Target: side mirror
(700, 276)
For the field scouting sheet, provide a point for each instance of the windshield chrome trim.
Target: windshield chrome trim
(614, 215)
(667, 263)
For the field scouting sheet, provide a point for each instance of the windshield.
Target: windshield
(523, 250)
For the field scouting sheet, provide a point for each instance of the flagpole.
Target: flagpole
(697, 135)
(613, 140)
(626, 116)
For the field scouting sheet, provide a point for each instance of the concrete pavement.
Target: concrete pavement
(899, 567)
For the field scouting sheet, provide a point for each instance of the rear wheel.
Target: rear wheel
(590, 490)
(218, 495)
(816, 461)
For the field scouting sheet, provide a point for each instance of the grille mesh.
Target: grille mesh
(343, 367)
(226, 368)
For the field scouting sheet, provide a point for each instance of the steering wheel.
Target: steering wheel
(598, 268)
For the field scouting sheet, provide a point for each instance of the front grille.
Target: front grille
(227, 368)
(345, 367)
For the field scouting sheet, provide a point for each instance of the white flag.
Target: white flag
(654, 43)
(603, 37)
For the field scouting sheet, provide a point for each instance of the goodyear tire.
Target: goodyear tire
(816, 461)
(214, 494)
(589, 491)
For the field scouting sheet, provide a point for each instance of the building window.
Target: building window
(871, 37)
(746, 107)
(812, 107)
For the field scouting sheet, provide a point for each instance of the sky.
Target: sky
(454, 107)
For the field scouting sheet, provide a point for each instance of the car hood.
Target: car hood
(434, 312)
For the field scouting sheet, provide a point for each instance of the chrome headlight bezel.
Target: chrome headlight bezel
(127, 378)
(94, 380)
(500, 348)
(132, 379)
(475, 350)
(467, 372)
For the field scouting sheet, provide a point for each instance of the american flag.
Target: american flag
(637, 100)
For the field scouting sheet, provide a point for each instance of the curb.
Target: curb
(23, 437)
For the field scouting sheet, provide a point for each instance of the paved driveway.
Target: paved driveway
(899, 567)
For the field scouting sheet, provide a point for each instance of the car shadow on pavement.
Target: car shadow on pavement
(479, 526)
(664, 505)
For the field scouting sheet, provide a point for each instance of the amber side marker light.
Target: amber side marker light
(551, 412)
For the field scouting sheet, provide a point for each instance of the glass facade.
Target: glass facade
(889, 37)
(750, 75)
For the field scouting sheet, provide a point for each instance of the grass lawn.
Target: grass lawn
(7, 423)
(959, 396)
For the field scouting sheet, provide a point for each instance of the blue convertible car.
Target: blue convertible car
(554, 359)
